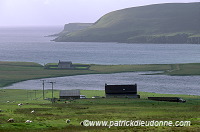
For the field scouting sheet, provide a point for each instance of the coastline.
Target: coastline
(24, 71)
(13, 72)
(146, 82)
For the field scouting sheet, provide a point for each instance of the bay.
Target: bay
(29, 45)
(147, 83)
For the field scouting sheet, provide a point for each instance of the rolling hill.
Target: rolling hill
(160, 23)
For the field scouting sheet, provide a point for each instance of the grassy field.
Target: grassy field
(12, 72)
(52, 117)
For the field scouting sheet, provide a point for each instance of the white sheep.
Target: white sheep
(28, 121)
(20, 104)
(11, 120)
(68, 121)
(32, 111)
(8, 101)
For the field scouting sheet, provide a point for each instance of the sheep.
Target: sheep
(8, 101)
(68, 121)
(20, 104)
(32, 111)
(28, 121)
(11, 120)
(81, 123)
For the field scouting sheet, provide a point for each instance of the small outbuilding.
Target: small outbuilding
(121, 91)
(169, 99)
(65, 64)
(70, 94)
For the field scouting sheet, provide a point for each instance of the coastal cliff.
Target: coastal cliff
(160, 23)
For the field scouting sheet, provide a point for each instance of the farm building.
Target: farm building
(169, 99)
(70, 94)
(121, 91)
(64, 64)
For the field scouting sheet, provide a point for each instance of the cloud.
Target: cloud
(47, 2)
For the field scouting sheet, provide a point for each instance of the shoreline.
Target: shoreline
(14, 72)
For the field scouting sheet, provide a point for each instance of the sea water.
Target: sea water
(29, 45)
(147, 83)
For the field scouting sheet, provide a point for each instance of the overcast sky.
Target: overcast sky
(60, 12)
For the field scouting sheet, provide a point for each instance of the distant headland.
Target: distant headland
(170, 23)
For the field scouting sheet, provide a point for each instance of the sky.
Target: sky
(60, 12)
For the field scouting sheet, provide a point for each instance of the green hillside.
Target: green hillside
(160, 23)
(72, 27)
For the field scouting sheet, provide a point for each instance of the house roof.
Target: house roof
(70, 92)
(121, 89)
(65, 62)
